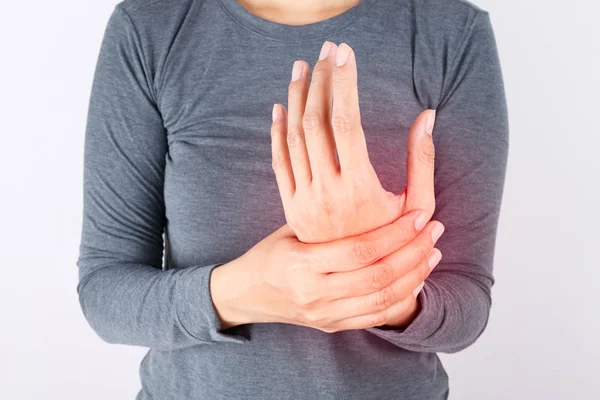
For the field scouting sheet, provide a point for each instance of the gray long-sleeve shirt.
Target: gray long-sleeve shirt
(177, 143)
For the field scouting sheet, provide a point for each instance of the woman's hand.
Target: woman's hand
(352, 283)
(325, 200)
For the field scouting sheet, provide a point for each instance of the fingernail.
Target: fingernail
(430, 122)
(296, 70)
(420, 221)
(325, 49)
(418, 289)
(342, 54)
(434, 258)
(437, 232)
(276, 113)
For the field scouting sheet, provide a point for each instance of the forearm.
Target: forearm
(145, 306)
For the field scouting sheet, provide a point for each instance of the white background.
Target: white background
(542, 338)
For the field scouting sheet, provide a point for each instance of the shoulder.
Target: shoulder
(443, 24)
(160, 19)
(440, 32)
(133, 7)
(465, 5)
(150, 27)
(157, 22)
(451, 19)
(448, 8)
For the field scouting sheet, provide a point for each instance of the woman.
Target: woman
(334, 303)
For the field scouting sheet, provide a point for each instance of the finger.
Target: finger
(411, 283)
(280, 155)
(367, 321)
(383, 273)
(355, 252)
(420, 164)
(418, 249)
(297, 90)
(345, 119)
(378, 308)
(418, 289)
(317, 116)
(386, 298)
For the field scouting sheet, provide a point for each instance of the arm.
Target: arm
(471, 141)
(124, 293)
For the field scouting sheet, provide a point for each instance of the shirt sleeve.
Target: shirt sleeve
(471, 142)
(124, 293)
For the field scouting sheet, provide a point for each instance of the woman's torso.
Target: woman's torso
(217, 72)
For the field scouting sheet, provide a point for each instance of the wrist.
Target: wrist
(229, 288)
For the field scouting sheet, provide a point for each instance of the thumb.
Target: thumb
(420, 164)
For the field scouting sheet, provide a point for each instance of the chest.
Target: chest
(220, 191)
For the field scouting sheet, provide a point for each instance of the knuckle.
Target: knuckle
(311, 120)
(403, 228)
(325, 201)
(423, 271)
(340, 78)
(422, 250)
(301, 298)
(381, 276)
(295, 88)
(365, 252)
(312, 317)
(294, 136)
(314, 261)
(405, 233)
(342, 123)
(384, 299)
(277, 162)
(317, 264)
(360, 200)
(379, 319)
(320, 72)
(427, 154)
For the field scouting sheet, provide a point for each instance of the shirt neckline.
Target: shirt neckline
(286, 32)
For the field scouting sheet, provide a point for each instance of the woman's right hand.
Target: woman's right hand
(351, 283)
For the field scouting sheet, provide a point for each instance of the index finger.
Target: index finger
(354, 252)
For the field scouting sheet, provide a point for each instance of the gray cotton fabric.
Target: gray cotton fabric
(177, 151)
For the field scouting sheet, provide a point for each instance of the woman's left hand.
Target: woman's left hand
(325, 200)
